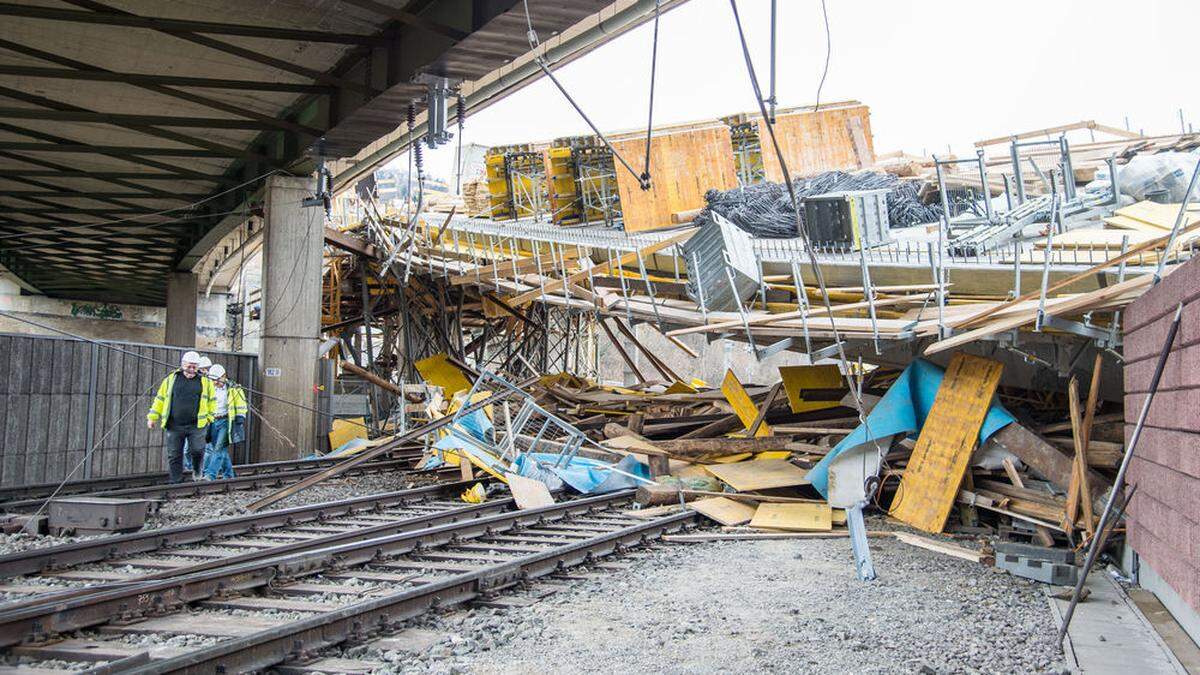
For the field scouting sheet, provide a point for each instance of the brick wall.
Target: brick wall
(1164, 518)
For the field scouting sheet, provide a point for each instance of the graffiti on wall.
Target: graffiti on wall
(96, 310)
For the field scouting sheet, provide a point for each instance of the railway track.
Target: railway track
(70, 570)
(274, 479)
(154, 479)
(250, 615)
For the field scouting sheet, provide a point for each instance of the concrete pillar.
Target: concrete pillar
(291, 318)
(180, 329)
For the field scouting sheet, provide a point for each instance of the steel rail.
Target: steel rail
(135, 600)
(208, 487)
(304, 638)
(382, 530)
(106, 548)
(153, 478)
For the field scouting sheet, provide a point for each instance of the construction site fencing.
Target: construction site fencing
(63, 400)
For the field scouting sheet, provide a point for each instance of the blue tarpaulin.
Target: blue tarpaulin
(583, 474)
(903, 409)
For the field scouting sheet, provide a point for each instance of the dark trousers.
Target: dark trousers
(174, 443)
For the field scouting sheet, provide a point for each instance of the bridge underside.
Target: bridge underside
(133, 131)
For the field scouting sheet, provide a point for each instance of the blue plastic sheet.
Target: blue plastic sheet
(583, 474)
(903, 409)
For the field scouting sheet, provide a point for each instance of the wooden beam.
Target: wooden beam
(339, 239)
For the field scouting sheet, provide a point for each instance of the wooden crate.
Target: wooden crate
(684, 165)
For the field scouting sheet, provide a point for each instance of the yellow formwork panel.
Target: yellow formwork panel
(438, 371)
(796, 379)
(742, 404)
(939, 459)
(560, 184)
(499, 195)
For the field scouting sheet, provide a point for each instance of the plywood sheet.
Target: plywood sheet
(812, 142)
(683, 166)
(1160, 215)
(759, 474)
(742, 404)
(723, 510)
(794, 517)
(935, 470)
(527, 492)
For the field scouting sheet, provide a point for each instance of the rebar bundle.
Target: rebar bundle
(765, 209)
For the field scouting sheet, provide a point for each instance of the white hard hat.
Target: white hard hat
(216, 372)
(205, 362)
(189, 357)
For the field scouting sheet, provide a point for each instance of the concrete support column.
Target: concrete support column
(291, 317)
(180, 329)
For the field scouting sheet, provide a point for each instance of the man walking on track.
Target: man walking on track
(184, 406)
(227, 428)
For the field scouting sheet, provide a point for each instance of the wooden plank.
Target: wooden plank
(794, 517)
(1010, 470)
(763, 536)
(858, 139)
(684, 165)
(1059, 307)
(758, 423)
(1047, 460)
(214, 625)
(723, 510)
(759, 474)
(943, 449)
(742, 404)
(942, 547)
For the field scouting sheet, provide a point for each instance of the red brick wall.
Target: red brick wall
(1164, 518)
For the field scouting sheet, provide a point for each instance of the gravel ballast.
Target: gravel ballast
(177, 512)
(766, 606)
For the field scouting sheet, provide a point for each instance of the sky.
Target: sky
(937, 74)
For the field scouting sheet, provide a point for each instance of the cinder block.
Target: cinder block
(1034, 552)
(1044, 571)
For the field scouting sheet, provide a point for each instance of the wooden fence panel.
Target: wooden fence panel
(61, 398)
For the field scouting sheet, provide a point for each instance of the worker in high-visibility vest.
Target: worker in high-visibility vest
(188, 465)
(184, 407)
(227, 428)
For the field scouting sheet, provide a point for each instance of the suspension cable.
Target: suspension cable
(643, 178)
(855, 391)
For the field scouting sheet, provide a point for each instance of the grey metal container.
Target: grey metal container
(706, 253)
(857, 218)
